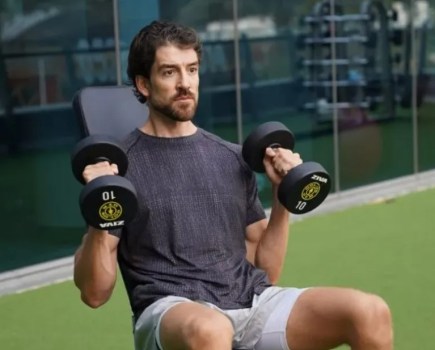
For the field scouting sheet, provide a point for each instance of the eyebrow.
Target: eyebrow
(169, 65)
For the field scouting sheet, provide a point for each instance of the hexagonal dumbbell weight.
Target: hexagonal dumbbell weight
(109, 201)
(305, 186)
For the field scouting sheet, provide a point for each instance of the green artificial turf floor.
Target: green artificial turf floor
(387, 248)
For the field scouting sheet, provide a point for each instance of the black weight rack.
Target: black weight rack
(362, 60)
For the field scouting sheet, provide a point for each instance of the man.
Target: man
(200, 260)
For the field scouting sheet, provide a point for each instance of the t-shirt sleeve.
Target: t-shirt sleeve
(255, 210)
(116, 232)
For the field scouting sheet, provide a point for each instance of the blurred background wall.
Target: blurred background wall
(354, 81)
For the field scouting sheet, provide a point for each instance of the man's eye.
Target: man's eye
(193, 69)
(168, 72)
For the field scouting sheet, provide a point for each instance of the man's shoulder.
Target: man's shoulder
(227, 147)
(217, 140)
(130, 140)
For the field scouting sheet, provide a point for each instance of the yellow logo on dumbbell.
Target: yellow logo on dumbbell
(310, 191)
(110, 211)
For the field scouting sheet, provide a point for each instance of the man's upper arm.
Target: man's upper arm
(254, 232)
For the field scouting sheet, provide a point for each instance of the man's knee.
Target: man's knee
(373, 320)
(194, 326)
(203, 333)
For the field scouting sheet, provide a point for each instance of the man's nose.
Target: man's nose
(183, 81)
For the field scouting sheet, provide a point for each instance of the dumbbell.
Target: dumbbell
(305, 186)
(109, 201)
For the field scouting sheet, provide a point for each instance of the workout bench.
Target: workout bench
(108, 110)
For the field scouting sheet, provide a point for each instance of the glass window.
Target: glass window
(424, 79)
(286, 77)
(48, 50)
(339, 70)
(352, 82)
(132, 16)
(372, 134)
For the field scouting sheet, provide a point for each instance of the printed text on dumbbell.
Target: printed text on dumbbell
(108, 195)
(319, 178)
(301, 205)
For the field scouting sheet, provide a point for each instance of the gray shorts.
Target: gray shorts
(260, 327)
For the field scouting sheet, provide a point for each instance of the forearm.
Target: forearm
(95, 268)
(272, 248)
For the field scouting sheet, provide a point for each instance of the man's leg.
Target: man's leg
(323, 318)
(195, 326)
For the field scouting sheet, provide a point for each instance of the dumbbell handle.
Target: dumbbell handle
(275, 145)
(102, 159)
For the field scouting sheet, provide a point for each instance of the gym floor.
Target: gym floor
(385, 247)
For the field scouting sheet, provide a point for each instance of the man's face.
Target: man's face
(173, 86)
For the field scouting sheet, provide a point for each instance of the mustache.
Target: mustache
(184, 93)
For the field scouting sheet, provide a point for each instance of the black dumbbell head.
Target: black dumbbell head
(108, 202)
(270, 134)
(95, 148)
(304, 187)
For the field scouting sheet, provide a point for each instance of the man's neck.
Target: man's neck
(167, 128)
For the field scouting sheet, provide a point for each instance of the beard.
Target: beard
(176, 110)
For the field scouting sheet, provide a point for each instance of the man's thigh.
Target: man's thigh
(275, 306)
(175, 322)
(195, 326)
(326, 317)
(146, 328)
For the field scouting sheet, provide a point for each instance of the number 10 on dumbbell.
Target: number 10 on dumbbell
(109, 201)
(305, 186)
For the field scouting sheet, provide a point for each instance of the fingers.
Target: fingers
(283, 159)
(270, 152)
(271, 172)
(93, 171)
(279, 161)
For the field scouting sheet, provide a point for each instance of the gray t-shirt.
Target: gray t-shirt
(196, 196)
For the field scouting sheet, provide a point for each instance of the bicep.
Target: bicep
(254, 232)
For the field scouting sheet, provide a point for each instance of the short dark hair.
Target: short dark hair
(146, 42)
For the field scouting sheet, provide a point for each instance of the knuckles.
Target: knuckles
(93, 171)
(285, 157)
(279, 161)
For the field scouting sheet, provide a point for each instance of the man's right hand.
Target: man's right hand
(278, 162)
(93, 171)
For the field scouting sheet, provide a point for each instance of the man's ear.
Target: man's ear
(142, 85)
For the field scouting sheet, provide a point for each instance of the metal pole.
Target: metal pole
(237, 73)
(117, 41)
(5, 93)
(334, 102)
(42, 82)
(414, 74)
